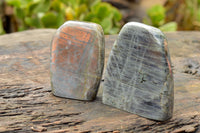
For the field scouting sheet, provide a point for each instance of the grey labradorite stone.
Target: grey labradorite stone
(139, 76)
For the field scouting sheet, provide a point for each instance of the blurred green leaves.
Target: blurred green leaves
(156, 18)
(1, 27)
(171, 26)
(157, 15)
(186, 13)
(53, 13)
(106, 15)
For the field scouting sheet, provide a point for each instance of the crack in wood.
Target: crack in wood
(10, 114)
(14, 95)
(69, 123)
(13, 130)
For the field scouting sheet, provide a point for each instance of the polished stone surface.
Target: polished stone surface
(139, 76)
(77, 60)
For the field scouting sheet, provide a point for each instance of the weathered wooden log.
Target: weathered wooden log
(27, 103)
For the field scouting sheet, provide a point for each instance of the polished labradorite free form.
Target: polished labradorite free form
(77, 60)
(139, 76)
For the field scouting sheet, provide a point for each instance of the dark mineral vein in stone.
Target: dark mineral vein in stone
(77, 60)
(138, 76)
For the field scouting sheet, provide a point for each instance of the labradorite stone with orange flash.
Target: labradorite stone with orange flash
(77, 60)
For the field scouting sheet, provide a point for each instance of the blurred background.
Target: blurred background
(167, 15)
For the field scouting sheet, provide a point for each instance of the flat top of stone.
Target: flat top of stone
(88, 25)
(138, 27)
(141, 25)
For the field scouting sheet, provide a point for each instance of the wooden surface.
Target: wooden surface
(27, 104)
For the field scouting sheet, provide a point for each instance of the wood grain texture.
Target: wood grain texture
(27, 104)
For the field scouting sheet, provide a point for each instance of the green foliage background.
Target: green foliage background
(53, 13)
(181, 15)
(1, 23)
(175, 15)
(185, 12)
(157, 18)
